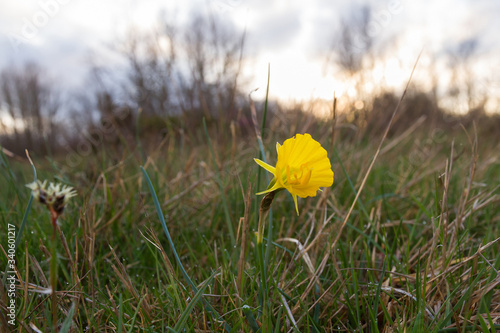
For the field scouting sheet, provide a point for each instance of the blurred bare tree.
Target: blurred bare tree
(353, 45)
(32, 103)
(215, 55)
(189, 73)
(463, 87)
(351, 57)
(151, 72)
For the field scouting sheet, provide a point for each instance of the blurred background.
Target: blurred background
(76, 74)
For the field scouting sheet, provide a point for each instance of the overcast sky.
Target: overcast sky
(293, 36)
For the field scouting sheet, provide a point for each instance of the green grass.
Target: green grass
(418, 253)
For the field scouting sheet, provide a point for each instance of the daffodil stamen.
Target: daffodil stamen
(304, 180)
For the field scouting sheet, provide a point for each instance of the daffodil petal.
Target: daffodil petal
(295, 201)
(302, 168)
(272, 183)
(266, 166)
(274, 188)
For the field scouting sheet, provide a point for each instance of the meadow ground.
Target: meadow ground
(409, 245)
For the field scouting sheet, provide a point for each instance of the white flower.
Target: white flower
(54, 197)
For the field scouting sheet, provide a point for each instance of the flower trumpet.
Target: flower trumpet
(302, 168)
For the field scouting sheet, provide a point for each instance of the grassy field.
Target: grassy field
(409, 245)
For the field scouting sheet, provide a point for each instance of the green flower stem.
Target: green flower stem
(53, 270)
(265, 206)
(264, 295)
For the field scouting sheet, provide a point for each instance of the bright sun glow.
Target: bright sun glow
(295, 78)
(7, 124)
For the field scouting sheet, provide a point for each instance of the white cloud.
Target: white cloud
(291, 35)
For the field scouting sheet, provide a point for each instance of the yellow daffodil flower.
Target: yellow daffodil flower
(302, 168)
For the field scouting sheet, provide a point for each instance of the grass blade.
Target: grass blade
(221, 187)
(66, 325)
(135, 314)
(28, 208)
(194, 301)
(270, 227)
(208, 307)
(251, 319)
(120, 315)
